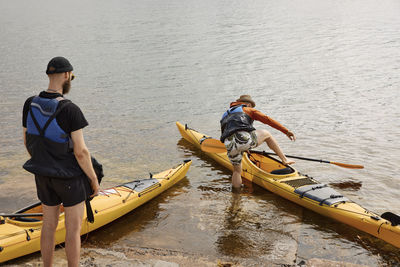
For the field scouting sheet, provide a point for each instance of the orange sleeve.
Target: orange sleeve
(259, 116)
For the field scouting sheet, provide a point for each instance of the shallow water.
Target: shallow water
(327, 70)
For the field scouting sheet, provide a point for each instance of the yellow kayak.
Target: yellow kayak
(287, 182)
(20, 232)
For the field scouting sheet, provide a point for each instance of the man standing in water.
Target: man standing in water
(60, 160)
(239, 135)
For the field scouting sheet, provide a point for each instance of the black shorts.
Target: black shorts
(53, 191)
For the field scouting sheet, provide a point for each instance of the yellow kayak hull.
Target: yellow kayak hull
(19, 237)
(257, 168)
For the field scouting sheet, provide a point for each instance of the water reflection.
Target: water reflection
(3, 173)
(125, 227)
(136, 221)
(190, 150)
(317, 229)
(255, 220)
(233, 241)
(347, 185)
(254, 229)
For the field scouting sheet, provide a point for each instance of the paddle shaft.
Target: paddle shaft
(21, 215)
(344, 165)
(215, 146)
(297, 157)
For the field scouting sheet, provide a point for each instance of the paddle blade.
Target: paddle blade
(349, 166)
(213, 146)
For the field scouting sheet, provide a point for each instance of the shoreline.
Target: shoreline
(156, 257)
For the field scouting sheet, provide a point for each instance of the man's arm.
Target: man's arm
(259, 116)
(82, 155)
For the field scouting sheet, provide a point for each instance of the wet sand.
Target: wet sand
(153, 257)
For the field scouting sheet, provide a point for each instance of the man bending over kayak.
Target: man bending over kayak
(239, 135)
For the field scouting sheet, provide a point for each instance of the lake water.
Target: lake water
(327, 70)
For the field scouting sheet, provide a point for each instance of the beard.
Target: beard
(66, 87)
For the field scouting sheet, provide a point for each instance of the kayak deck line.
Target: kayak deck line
(259, 168)
(308, 180)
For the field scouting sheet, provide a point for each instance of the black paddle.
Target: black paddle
(21, 215)
(344, 165)
(211, 145)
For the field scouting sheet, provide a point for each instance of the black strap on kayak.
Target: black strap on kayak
(391, 217)
(312, 189)
(330, 197)
(20, 232)
(28, 237)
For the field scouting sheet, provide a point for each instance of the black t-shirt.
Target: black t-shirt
(70, 118)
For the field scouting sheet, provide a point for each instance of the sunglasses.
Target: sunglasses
(72, 76)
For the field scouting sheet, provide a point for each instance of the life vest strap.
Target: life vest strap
(52, 117)
(36, 122)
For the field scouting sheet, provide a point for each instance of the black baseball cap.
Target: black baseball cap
(59, 65)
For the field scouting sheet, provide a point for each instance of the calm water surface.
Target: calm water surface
(328, 70)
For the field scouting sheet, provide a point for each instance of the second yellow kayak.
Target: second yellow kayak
(287, 182)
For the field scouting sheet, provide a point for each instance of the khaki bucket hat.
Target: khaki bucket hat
(246, 98)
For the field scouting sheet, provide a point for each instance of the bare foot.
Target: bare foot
(288, 162)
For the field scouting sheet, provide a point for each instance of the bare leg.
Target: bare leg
(73, 223)
(236, 176)
(50, 221)
(265, 136)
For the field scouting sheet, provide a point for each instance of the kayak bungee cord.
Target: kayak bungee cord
(139, 182)
(21, 232)
(371, 214)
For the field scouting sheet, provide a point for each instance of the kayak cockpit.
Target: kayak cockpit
(27, 219)
(268, 163)
(32, 213)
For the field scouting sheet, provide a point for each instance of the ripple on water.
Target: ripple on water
(312, 65)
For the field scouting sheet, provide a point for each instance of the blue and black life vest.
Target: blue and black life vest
(233, 120)
(49, 145)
